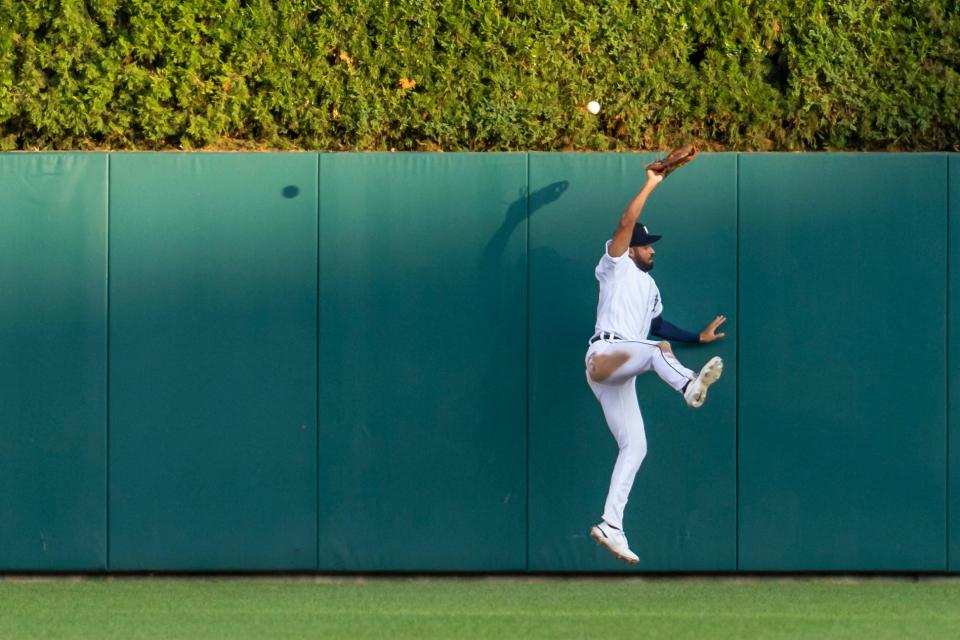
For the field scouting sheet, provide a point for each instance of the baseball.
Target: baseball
(593, 107)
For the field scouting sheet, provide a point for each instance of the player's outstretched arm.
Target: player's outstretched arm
(709, 334)
(621, 235)
(669, 331)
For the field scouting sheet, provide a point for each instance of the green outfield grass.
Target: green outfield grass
(500, 608)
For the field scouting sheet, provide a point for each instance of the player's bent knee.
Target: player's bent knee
(635, 456)
(602, 366)
(665, 347)
(640, 450)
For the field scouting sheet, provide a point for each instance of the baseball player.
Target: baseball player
(629, 309)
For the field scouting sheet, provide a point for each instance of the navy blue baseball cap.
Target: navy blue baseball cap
(641, 237)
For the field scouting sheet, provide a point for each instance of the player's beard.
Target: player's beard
(640, 264)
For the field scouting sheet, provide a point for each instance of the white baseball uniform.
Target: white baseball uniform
(629, 301)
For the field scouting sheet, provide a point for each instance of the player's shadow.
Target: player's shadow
(517, 213)
(500, 288)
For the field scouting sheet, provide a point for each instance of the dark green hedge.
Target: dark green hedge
(479, 74)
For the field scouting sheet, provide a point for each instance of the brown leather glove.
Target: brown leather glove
(676, 159)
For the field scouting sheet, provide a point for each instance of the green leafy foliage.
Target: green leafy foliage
(479, 74)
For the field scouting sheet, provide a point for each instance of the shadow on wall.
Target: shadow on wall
(566, 289)
(517, 213)
(571, 285)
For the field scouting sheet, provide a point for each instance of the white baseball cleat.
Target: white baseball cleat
(696, 391)
(614, 541)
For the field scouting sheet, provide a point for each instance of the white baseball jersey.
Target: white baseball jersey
(629, 298)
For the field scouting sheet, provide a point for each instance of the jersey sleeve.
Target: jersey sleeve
(608, 264)
(663, 329)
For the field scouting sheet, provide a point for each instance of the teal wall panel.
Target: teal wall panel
(423, 362)
(953, 328)
(454, 311)
(53, 374)
(682, 511)
(842, 390)
(213, 384)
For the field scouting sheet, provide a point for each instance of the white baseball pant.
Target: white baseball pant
(612, 369)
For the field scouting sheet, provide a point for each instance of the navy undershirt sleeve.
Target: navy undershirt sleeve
(663, 329)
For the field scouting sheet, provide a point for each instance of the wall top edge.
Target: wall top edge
(471, 153)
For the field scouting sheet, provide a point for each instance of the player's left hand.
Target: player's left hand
(654, 178)
(710, 333)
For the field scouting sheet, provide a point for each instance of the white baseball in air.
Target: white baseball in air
(593, 107)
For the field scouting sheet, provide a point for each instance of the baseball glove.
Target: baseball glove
(676, 159)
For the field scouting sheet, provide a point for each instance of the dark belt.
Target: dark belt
(604, 335)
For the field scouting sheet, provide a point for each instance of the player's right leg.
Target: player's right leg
(614, 362)
(694, 389)
(696, 392)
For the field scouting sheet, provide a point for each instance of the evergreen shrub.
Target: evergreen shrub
(479, 74)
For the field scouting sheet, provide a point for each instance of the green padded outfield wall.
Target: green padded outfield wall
(682, 511)
(422, 362)
(953, 315)
(53, 371)
(165, 357)
(842, 402)
(213, 350)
